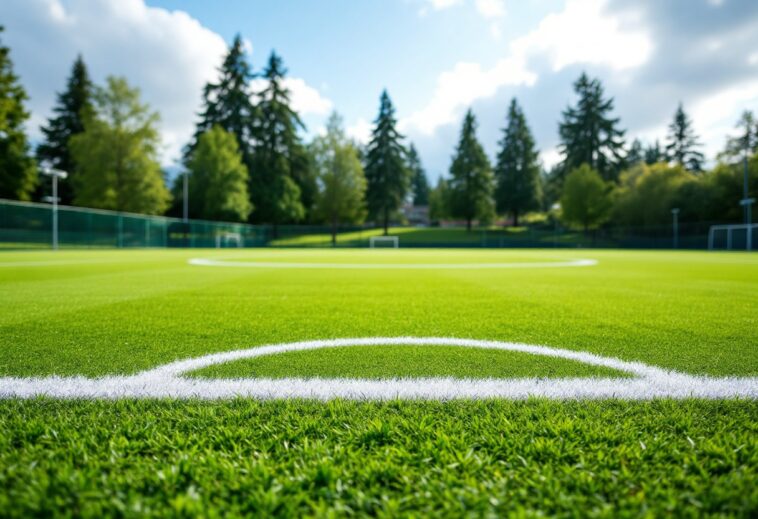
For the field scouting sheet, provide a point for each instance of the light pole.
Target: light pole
(55, 174)
(675, 214)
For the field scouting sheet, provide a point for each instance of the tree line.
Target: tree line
(247, 160)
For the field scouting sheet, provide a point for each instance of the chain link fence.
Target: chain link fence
(25, 225)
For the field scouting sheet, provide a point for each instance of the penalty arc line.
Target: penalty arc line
(167, 381)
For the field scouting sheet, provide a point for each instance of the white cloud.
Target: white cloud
(458, 88)
(581, 33)
(490, 8)
(584, 33)
(167, 54)
(360, 131)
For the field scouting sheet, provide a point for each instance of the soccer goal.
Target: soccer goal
(732, 237)
(376, 242)
(228, 239)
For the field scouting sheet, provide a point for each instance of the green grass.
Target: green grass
(404, 361)
(107, 312)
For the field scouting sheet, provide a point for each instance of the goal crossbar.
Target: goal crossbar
(729, 228)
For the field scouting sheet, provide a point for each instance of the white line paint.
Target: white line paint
(168, 381)
(205, 262)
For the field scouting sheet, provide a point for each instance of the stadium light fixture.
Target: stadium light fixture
(55, 174)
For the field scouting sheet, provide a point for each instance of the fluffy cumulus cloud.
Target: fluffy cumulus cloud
(167, 54)
(650, 56)
(580, 33)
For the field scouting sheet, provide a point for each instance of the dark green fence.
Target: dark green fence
(29, 225)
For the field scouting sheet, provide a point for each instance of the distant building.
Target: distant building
(416, 214)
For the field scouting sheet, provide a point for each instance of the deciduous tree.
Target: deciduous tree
(342, 184)
(218, 178)
(116, 156)
(586, 200)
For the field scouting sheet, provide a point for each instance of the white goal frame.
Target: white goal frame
(394, 239)
(748, 228)
(224, 238)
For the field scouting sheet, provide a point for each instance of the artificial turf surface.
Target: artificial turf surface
(107, 312)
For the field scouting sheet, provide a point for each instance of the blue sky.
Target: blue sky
(436, 58)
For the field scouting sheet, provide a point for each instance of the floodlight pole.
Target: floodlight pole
(675, 214)
(185, 198)
(55, 174)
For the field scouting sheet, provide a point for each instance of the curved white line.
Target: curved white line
(167, 381)
(205, 262)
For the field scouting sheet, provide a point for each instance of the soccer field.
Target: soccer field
(564, 382)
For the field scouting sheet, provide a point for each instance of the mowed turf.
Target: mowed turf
(120, 312)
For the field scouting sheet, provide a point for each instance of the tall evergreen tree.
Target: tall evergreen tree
(683, 143)
(654, 154)
(747, 139)
(517, 170)
(218, 178)
(280, 160)
(73, 106)
(418, 178)
(228, 102)
(18, 172)
(636, 153)
(116, 155)
(589, 135)
(471, 179)
(387, 174)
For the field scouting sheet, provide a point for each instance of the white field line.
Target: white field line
(167, 381)
(204, 262)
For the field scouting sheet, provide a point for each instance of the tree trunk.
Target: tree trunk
(468, 224)
(386, 221)
(515, 218)
(334, 232)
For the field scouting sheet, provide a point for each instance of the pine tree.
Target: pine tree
(654, 154)
(589, 135)
(387, 175)
(218, 178)
(471, 179)
(746, 141)
(116, 155)
(280, 160)
(683, 143)
(341, 177)
(636, 153)
(517, 170)
(18, 172)
(228, 103)
(74, 105)
(418, 177)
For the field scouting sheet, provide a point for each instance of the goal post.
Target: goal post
(729, 234)
(376, 242)
(228, 239)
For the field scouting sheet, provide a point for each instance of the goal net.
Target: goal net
(732, 237)
(376, 242)
(228, 239)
